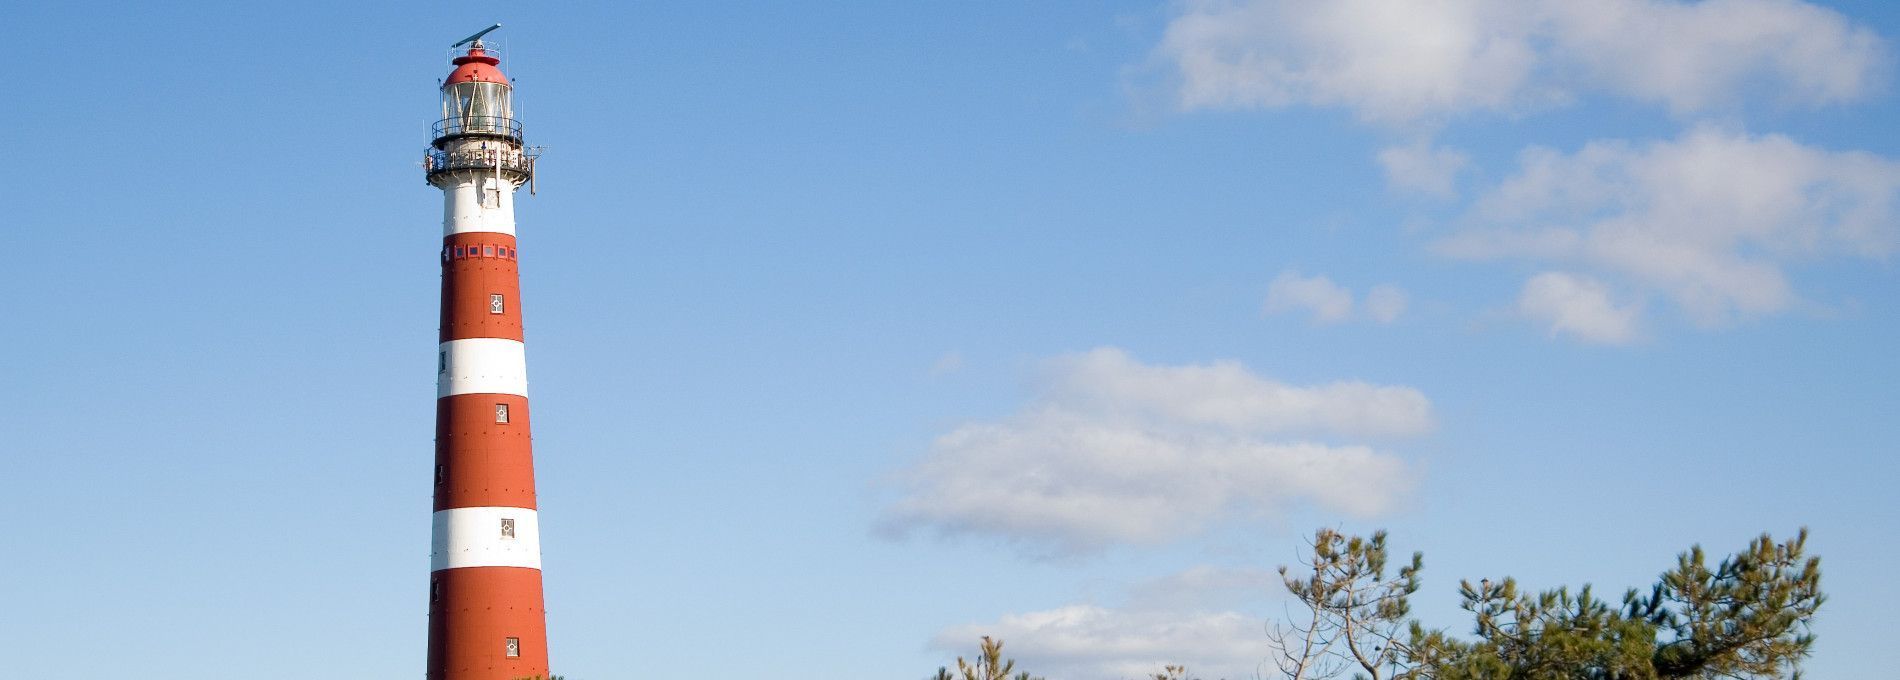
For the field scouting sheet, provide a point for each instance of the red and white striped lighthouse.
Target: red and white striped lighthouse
(485, 613)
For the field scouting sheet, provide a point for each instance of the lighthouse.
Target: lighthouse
(486, 620)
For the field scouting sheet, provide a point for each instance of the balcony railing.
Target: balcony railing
(519, 164)
(485, 126)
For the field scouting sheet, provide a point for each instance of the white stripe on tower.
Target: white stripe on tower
(486, 537)
(466, 211)
(482, 366)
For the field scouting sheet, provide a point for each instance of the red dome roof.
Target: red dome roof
(476, 66)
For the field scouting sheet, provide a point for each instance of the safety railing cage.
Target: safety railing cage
(476, 126)
(515, 164)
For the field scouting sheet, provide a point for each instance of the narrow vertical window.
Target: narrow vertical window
(501, 414)
(512, 647)
(496, 303)
(442, 361)
(491, 193)
(441, 473)
(507, 527)
(435, 590)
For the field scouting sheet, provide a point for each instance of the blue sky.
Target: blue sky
(857, 330)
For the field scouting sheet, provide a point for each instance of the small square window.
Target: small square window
(512, 647)
(488, 251)
(496, 304)
(507, 527)
(459, 252)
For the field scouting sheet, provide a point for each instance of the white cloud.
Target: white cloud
(1386, 60)
(1226, 395)
(1117, 451)
(1188, 618)
(1407, 60)
(1088, 641)
(1384, 303)
(1710, 220)
(950, 362)
(1578, 306)
(1694, 56)
(1330, 302)
(1423, 168)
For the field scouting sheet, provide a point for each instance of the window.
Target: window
(459, 252)
(488, 251)
(512, 647)
(435, 590)
(441, 473)
(491, 191)
(496, 305)
(442, 361)
(501, 414)
(507, 527)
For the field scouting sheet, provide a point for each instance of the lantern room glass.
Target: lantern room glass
(474, 107)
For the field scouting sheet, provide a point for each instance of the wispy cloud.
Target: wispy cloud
(1577, 306)
(1192, 618)
(1115, 451)
(1331, 303)
(1711, 221)
(950, 362)
(1385, 302)
(1401, 61)
(1423, 167)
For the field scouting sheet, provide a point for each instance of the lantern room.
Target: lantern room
(477, 99)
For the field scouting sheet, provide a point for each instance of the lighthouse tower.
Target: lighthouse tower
(485, 613)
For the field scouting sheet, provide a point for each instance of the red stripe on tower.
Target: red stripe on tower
(486, 620)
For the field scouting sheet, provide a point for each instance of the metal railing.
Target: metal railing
(497, 126)
(505, 161)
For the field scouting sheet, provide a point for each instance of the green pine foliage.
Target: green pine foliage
(1746, 618)
(1354, 610)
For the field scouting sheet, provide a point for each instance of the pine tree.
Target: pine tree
(1746, 618)
(1353, 611)
(989, 665)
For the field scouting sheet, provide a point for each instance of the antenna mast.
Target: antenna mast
(478, 36)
